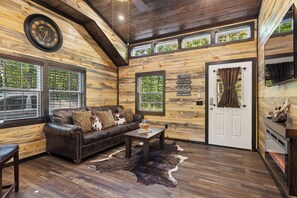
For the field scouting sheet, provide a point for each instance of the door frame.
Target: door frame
(254, 96)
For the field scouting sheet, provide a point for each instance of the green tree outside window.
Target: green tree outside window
(196, 42)
(151, 93)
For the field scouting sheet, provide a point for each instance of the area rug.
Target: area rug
(157, 171)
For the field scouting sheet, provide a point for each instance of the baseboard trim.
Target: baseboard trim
(274, 177)
(187, 141)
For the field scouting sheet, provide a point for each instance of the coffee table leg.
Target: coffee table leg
(162, 139)
(128, 147)
(146, 149)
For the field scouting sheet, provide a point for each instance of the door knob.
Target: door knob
(211, 108)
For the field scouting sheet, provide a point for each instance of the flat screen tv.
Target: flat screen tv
(280, 53)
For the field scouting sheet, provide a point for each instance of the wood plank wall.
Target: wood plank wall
(78, 49)
(272, 12)
(186, 120)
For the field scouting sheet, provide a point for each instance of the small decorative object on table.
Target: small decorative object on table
(144, 126)
(280, 113)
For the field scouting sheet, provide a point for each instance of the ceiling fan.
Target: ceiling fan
(140, 5)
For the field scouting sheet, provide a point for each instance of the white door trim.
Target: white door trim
(254, 97)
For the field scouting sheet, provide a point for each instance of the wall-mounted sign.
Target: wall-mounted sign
(183, 85)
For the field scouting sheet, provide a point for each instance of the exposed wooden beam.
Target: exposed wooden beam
(80, 12)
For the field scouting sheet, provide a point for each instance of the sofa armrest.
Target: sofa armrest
(137, 118)
(65, 130)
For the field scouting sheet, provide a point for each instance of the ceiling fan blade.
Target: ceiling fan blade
(140, 5)
(105, 2)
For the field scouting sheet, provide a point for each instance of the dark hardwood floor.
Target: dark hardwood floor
(209, 172)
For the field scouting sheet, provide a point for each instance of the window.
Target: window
(142, 50)
(66, 88)
(196, 41)
(286, 25)
(238, 87)
(29, 89)
(166, 46)
(233, 34)
(20, 90)
(150, 97)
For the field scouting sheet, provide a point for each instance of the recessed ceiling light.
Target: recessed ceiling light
(121, 17)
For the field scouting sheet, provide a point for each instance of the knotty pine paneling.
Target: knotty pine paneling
(271, 14)
(186, 120)
(78, 49)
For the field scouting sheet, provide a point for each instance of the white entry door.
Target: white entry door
(231, 127)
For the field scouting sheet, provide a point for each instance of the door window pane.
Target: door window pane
(238, 87)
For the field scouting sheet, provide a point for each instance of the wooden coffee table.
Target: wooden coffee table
(145, 138)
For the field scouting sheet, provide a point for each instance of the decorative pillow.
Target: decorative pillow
(96, 124)
(128, 114)
(83, 119)
(121, 112)
(106, 118)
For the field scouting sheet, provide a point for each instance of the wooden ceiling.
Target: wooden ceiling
(170, 17)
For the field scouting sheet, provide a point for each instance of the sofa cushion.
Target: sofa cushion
(106, 118)
(64, 116)
(121, 129)
(117, 130)
(128, 114)
(131, 126)
(113, 108)
(95, 136)
(83, 119)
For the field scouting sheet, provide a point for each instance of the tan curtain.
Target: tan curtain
(229, 78)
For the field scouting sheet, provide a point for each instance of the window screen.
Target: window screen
(66, 88)
(20, 90)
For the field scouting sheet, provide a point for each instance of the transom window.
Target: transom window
(20, 90)
(286, 25)
(65, 88)
(142, 50)
(150, 97)
(214, 37)
(166, 46)
(233, 34)
(196, 41)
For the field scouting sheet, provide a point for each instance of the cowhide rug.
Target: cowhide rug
(157, 171)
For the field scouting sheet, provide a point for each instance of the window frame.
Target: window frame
(195, 37)
(166, 42)
(44, 64)
(287, 17)
(212, 32)
(145, 46)
(231, 30)
(71, 68)
(152, 73)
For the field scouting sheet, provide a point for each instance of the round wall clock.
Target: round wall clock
(43, 33)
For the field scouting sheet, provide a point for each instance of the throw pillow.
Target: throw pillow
(96, 124)
(106, 118)
(83, 119)
(128, 114)
(121, 112)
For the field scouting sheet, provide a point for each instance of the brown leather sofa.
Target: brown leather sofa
(65, 139)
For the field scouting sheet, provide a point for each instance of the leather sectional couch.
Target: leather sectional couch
(68, 140)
